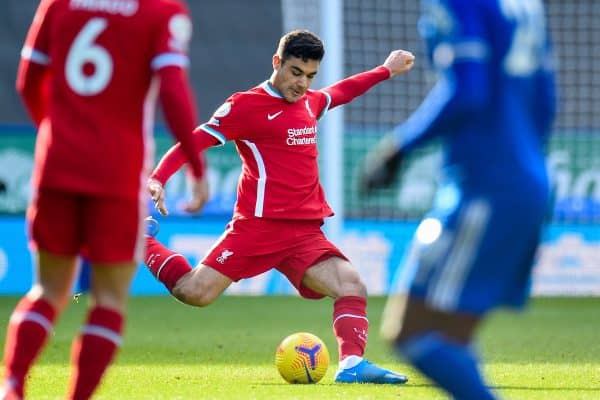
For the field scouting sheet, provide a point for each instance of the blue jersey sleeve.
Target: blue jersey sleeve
(459, 50)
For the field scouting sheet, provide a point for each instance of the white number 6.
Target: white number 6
(85, 51)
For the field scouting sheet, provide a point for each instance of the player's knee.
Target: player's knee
(57, 298)
(110, 299)
(196, 300)
(352, 284)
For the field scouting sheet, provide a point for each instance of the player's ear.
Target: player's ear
(276, 62)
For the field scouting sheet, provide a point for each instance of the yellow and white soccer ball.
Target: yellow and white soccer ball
(302, 358)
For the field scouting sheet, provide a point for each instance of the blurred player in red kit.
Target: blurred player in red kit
(90, 74)
(280, 204)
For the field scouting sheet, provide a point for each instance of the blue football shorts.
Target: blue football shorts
(475, 256)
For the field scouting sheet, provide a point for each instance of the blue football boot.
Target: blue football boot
(366, 372)
(152, 227)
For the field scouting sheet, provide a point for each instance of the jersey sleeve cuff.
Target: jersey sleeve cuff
(169, 59)
(213, 132)
(36, 56)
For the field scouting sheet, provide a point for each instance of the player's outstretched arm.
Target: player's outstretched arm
(346, 90)
(455, 97)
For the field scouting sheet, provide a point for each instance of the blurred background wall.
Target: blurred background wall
(231, 50)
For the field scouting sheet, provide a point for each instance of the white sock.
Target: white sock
(349, 362)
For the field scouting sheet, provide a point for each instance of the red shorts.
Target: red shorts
(103, 229)
(249, 247)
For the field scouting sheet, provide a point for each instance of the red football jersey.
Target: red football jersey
(102, 57)
(277, 142)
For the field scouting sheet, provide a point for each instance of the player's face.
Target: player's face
(293, 77)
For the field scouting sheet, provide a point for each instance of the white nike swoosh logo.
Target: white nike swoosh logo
(273, 116)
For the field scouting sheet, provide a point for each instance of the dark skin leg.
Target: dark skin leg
(419, 318)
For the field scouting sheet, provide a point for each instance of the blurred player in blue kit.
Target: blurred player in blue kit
(492, 108)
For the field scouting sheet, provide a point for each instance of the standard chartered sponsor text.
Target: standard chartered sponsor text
(302, 136)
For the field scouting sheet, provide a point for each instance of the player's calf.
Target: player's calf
(201, 286)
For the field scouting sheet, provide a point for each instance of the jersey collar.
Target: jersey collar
(267, 87)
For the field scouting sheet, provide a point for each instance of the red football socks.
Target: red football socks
(350, 325)
(93, 351)
(28, 329)
(166, 265)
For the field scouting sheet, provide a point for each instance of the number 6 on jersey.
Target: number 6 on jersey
(83, 52)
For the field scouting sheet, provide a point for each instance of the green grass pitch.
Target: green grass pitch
(226, 351)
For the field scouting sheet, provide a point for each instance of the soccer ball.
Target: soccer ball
(302, 358)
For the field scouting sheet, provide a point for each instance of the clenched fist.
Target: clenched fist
(399, 62)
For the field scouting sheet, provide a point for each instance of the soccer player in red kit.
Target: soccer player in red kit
(280, 203)
(90, 74)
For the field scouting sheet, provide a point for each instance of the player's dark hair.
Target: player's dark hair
(301, 43)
